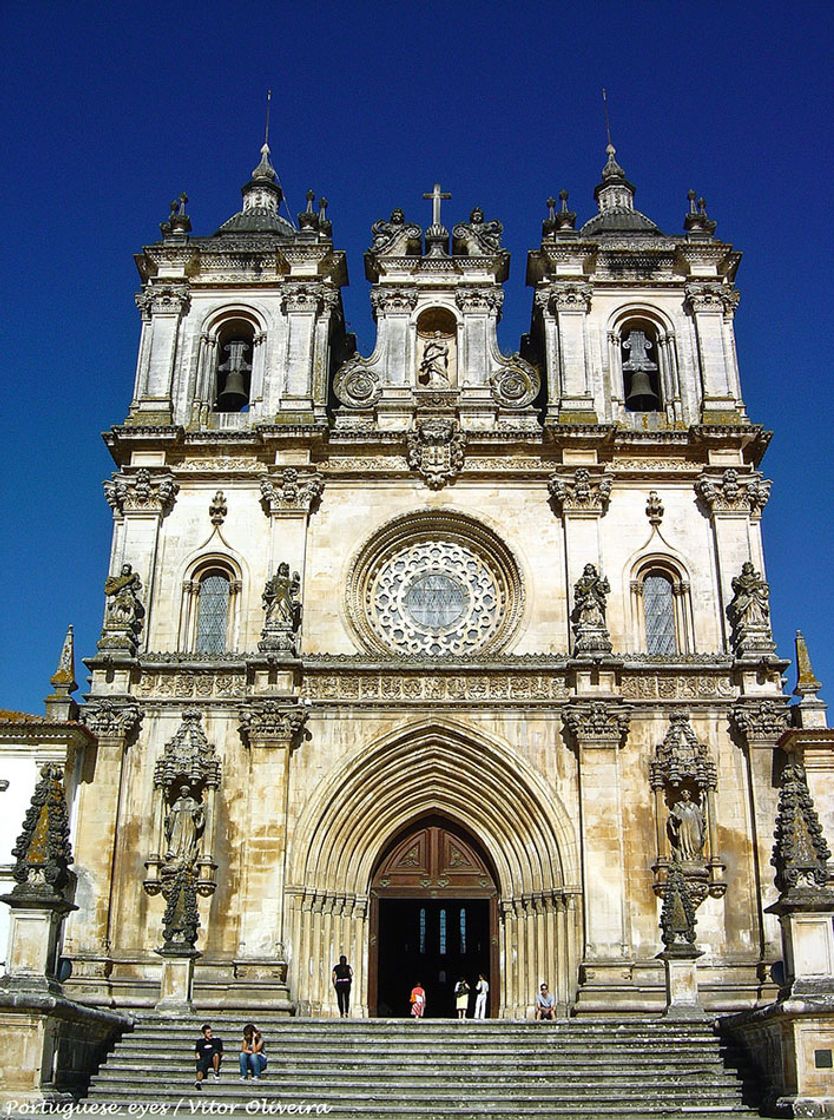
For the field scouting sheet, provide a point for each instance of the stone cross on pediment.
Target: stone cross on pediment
(436, 196)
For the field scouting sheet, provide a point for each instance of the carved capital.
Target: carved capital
(112, 719)
(580, 492)
(761, 719)
(711, 295)
(291, 491)
(272, 722)
(436, 448)
(732, 492)
(395, 301)
(597, 722)
(479, 299)
(141, 492)
(163, 299)
(302, 297)
(570, 295)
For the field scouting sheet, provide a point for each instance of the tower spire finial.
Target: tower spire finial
(607, 120)
(268, 105)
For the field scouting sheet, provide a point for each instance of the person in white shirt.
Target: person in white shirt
(482, 988)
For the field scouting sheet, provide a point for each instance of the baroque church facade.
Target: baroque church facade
(439, 657)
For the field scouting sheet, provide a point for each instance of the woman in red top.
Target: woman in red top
(418, 1000)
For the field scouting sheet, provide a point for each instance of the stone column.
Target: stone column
(272, 728)
(115, 723)
(570, 300)
(707, 303)
(581, 495)
(162, 305)
(598, 729)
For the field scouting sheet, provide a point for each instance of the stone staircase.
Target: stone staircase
(601, 1069)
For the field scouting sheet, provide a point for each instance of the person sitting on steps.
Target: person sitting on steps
(545, 1004)
(252, 1056)
(208, 1051)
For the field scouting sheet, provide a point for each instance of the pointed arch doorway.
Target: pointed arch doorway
(434, 918)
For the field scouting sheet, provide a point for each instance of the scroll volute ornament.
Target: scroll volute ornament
(515, 384)
(683, 777)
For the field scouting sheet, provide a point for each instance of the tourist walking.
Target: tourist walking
(342, 980)
(418, 1000)
(482, 989)
(461, 998)
(545, 1004)
(252, 1054)
(208, 1050)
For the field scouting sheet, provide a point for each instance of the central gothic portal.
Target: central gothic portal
(434, 919)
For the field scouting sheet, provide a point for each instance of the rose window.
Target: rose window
(434, 585)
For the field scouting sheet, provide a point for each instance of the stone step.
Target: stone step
(138, 1061)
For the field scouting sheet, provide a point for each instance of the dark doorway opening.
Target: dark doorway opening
(435, 942)
(434, 919)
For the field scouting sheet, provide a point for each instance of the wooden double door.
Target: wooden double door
(434, 920)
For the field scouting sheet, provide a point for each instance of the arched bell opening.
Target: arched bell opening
(433, 920)
(235, 348)
(640, 364)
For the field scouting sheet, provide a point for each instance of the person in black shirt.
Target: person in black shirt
(208, 1051)
(342, 980)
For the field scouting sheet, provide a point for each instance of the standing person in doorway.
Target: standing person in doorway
(342, 980)
(482, 988)
(461, 998)
(418, 1000)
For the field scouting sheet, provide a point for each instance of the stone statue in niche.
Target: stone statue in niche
(282, 605)
(434, 366)
(124, 611)
(749, 613)
(184, 826)
(588, 615)
(687, 828)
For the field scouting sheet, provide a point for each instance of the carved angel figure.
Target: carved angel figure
(686, 828)
(124, 609)
(280, 598)
(184, 826)
(589, 597)
(434, 367)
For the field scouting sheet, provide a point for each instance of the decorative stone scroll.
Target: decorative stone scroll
(186, 779)
(732, 493)
(477, 238)
(43, 853)
(291, 491)
(124, 613)
(749, 614)
(590, 629)
(396, 236)
(141, 492)
(356, 384)
(581, 492)
(515, 384)
(683, 777)
(436, 449)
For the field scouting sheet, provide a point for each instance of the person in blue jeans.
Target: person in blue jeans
(252, 1056)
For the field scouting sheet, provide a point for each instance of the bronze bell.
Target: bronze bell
(641, 396)
(234, 395)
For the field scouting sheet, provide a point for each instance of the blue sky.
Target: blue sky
(112, 109)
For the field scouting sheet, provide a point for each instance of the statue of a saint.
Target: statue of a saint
(686, 828)
(750, 605)
(184, 826)
(434, 367)
(280, 598)
(589, 597)
(124, 609)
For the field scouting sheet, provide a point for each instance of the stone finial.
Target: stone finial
(749, 614)
(800, 853)
(677, 916)
(178, 224)
(218, 508)
(43, 852)
(63, 679)
(806, 683)
(654, 508)
(590, 596)
(181, 921)
(696, 219)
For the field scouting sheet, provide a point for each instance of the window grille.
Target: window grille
(659, 606)
(213, 613)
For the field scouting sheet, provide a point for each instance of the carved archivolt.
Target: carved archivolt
(434, 583)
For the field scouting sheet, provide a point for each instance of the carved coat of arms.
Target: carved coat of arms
(435, 448)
